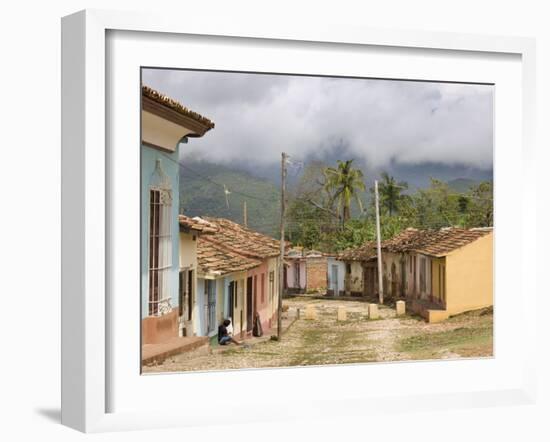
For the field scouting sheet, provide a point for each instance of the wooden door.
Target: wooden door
(231, 301)
(190, 295)
(394, 281)
(249, 304)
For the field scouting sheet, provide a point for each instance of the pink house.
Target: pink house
(262, 288)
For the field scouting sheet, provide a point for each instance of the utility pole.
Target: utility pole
(226, 193)
(282, 249)
(245, 214)
(378, 246)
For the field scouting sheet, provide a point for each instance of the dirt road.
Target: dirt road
(356, 340)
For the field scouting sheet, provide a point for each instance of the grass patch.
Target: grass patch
(331, 345)
(464, 341)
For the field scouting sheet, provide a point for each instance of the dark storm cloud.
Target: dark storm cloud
(380, 121)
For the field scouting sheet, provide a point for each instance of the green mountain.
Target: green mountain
(202, 193)
(462, 185)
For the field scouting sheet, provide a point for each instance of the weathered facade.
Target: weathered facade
(305, 271)
(295, 271)
(359, 277)
(440, 272)
(316, 272)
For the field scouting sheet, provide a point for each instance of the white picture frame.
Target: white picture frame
(86, 205)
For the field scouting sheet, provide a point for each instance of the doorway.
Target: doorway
(231, 301)
(297, 275)
(394, 281)
(249, 304)
(210, 286)
(334, 279)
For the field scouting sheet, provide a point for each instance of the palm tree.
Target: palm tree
(390, 191)
(344, 183)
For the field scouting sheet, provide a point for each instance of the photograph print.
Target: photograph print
(297, 220)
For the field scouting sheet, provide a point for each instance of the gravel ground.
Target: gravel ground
(356, 340)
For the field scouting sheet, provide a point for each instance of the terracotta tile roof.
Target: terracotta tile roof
(243, 241)
(197, 224)
(433, 242)
(362, 253)
(407, 240)
(216, 259)
(448, 240)
(156, 96)
(429, 242)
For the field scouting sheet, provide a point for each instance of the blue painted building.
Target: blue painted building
(165, 124)
(159, 218)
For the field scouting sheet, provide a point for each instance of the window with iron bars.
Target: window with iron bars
(160, 250)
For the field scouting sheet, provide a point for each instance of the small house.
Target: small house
(455, 273)
(360, 270)
(221, 287)
(189, 305)
(305, 271)
(295, 271)
(261, 285)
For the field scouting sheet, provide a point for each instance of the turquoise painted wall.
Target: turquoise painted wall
(199, 318)
(149, 157)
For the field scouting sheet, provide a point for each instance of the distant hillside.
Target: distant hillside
(202, 194)
(462, 185)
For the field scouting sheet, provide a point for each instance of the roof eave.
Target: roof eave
(197, 128)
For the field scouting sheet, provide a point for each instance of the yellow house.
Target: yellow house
(439, 272)
(448, 271)
(462, 272)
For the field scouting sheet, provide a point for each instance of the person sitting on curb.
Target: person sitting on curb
(223, 335)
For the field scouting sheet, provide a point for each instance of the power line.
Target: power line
(210, 180)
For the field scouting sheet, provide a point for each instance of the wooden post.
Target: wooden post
(378, 246)
(282, 244)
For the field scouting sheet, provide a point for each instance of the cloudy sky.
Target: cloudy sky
(377, 121)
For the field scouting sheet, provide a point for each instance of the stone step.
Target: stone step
(156, 353)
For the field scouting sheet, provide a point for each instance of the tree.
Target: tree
(463, 203)
(310, 215)
(306, 223)
(436, 206)
(391, 193)
(344, 183)
(480, 213)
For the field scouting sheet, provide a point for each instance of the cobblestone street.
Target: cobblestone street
(355, 340)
